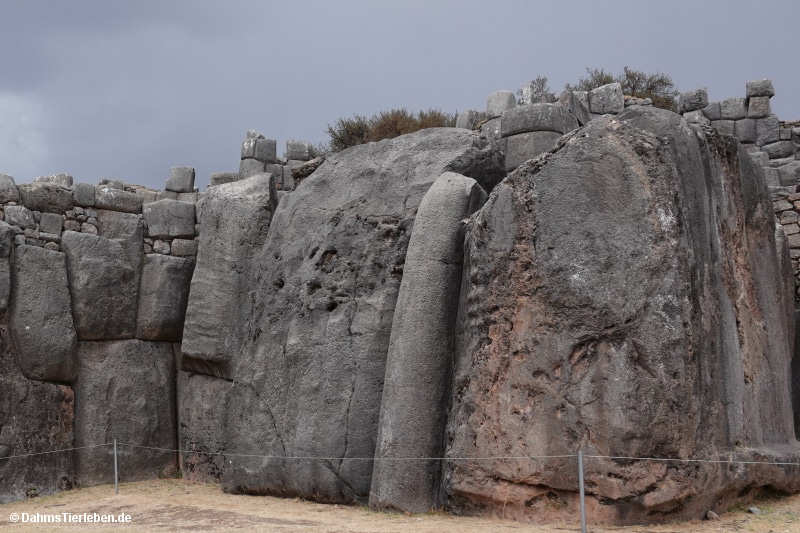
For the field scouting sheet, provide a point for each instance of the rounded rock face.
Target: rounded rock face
(608, 305)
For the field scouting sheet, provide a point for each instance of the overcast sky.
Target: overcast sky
(128, 89)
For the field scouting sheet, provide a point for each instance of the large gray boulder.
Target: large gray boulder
(317, 315)
(169, 219)
(520, 148)
(234, 219)
(115, 199)
(181, 179)
(40, 319)
(163, 294)
(44, 196)
(8, 189)
(420, 354)
(607, 99)
(125, 390)
(537, 117)
(103, 280)
(34, 417)
(610, 305)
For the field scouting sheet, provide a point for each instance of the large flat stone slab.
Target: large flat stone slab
(34, 417)
(126, 391)
(234, 219)
(103, 285)
(40, 319)
(163, 294)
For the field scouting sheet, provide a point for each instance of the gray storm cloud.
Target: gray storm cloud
(126, 90)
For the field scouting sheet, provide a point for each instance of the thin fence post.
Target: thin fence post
(116, 472)
(580, 485)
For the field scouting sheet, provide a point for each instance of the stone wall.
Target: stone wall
(259, 155)
(268, 316)
(94, 283)
(773, 144)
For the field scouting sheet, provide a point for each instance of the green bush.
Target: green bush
(359, 129)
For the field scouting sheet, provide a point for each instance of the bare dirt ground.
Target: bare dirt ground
(177, 505)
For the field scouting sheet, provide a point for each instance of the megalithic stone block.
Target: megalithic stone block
(40, 320)
(125, 390)
(169, 219)
(164, 292)
(419, 360)
(607, 99)
(500, 101)
(103, 285)
(181, 179)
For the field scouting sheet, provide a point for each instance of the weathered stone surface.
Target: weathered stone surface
(767, 130)
(760, 88)
(745, 130)
(468, 119)
(266, 150)
(103, 285)
(112, 183)
(779, 149)
(184, 247)
(202, 403)
(169, 219)
(537, 117)
(19, 215)
(696, 117)
(789, 174)
(606, 99)
(7, 234)
(520, 148)
(40, 318)
(593, 280)
(149, 196)
(165, 195)
(162, 247)
(733, 108)
(299, 150)
(62, 179)
(491, 129)
(724, 127)
(758, 107)
(51, 223)
(693, 100)
(576, 103)
(308, 374)
(181, 179)
(500, 101)
(107, 197)
(713, 111)
(163, 294)
(34, 417)
(218, 178)
(419, 359)
(125, 390)
(8, 189)
(189, 197)
(234, 219)
(250, 167)
(45, 197)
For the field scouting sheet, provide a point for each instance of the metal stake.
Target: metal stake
(116, 472)
(580, 483)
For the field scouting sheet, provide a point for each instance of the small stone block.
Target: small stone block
(181, 179)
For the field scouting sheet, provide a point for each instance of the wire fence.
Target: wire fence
(579, 456)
